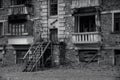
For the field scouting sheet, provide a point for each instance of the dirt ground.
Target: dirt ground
(90, 72)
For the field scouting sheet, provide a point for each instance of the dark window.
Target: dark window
(19, 2)
(1, 3)
(117, 22)
(1, 29)
(85, 24)
(53, 7)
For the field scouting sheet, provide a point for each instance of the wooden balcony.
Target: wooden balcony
(18, 9)
(85, 3)
(86, 37)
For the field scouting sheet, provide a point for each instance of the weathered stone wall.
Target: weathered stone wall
(108, 5)
(107, 57)
(71, 53)
(110, 40)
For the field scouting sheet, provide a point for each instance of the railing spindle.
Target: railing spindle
(87, 37)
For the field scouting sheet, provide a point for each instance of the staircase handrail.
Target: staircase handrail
(32, 45)
(38, 47)
(41, 55)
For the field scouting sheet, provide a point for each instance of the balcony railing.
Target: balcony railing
(87, 37)
(20, 30)
(85, 3)
(18, 9)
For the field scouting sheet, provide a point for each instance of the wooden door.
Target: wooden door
(54, 35)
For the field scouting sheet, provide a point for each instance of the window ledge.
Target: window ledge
(53, 16)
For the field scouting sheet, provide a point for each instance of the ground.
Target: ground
(90, 72)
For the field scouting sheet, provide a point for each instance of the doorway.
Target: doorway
(54, 35)
(117, 57)
(19, 56)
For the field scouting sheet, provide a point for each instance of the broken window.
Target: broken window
(85, 24)
(117, 22)
(53, 7)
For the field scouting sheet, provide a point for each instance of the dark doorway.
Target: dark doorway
(19, 56)
(117, 57)
(47, 58)
(54, 35)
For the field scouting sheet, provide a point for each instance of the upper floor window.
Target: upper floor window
(1, 28)
(53, 7)
(85, 24)
(116, 22)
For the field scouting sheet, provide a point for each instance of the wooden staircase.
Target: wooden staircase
(34, 58)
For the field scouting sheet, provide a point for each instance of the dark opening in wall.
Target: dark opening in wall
(1, 28)
(20, 2)
(1, 3)
(62, 53)
(85, 24)
(19, 55)
(21, 50)
(117, 57)
(53, 7)
(87, 56)
(47, 58)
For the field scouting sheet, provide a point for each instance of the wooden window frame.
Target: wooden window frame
(50, 8)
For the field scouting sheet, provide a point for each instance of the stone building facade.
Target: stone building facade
(89, 28)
